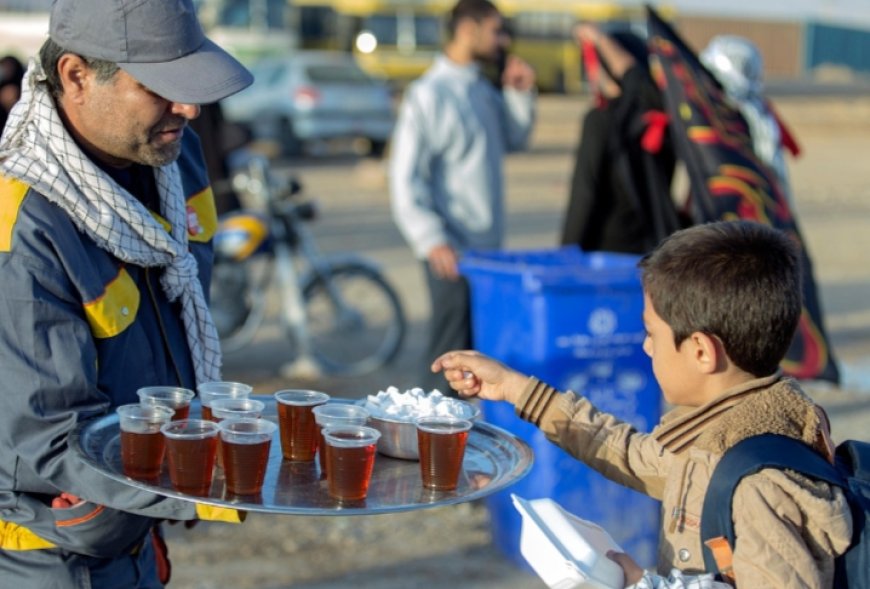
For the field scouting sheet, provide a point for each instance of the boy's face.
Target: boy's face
(674, 368)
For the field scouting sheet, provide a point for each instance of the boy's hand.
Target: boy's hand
(471, 373)
(633, 572)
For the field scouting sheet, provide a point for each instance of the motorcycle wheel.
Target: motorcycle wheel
(355, 320)
(238, 301)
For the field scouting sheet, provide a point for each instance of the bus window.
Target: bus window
(254, 14)
(383, 27)
(427, 31)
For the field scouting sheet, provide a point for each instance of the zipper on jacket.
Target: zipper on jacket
(162, 327)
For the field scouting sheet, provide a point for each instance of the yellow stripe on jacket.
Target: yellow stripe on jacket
(15, 537)
(201, 217)
(115, 309)
(12, 194)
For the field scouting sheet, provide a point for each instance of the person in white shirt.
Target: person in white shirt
(453, 131)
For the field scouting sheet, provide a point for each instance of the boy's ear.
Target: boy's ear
(707, 352)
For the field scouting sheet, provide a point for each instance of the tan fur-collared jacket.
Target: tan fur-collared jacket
(788, 528)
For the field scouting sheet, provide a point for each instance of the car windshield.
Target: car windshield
(334, 73)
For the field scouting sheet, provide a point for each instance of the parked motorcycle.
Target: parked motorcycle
(340, 311)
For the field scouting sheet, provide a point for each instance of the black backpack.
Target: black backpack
(851, 472)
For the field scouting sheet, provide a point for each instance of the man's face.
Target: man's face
(125, 123)
(489, 38)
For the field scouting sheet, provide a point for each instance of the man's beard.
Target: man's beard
(157, 157)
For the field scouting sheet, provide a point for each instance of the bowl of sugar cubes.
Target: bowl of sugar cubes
(393, 413)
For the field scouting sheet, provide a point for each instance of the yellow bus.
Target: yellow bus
(398, 39)
(249, 29)
(541, 32)
(392, 39)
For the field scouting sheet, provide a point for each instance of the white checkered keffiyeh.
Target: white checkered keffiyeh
(36, 149)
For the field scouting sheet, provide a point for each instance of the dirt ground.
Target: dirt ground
(451, 546)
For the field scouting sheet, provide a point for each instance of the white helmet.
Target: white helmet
(736, 63)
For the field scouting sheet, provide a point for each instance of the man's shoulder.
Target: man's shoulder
(25, 212)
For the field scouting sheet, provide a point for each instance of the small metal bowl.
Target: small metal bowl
(399, 437)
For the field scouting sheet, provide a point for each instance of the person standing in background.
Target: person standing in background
(11, 74)
(620, 198)
(737, 65)
(446, 184)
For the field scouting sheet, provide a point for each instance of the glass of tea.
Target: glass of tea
(350, 460)
(142, 444)
(333, 414)
(441, 440)
(176, 398)
(245, 444)
(191, 447)
(232, 408)
(220, 389)
(296, 421)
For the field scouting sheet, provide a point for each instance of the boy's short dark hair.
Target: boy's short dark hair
(476, 10)
(736, 280)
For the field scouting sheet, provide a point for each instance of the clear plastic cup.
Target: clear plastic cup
(296, 421)
(176, 398)
(334, 414)
(245, 444)
(142, 444)
(350, 460)
(220, 389)
(191, 447)
(234, 408)
(230, 408)
(441, 441)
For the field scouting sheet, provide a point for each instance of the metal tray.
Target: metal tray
(494, 459)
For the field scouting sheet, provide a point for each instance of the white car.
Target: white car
(311, 95)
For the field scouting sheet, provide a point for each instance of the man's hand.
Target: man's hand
(587, 33)
(65, 501)
(518, 74)
(444, 262)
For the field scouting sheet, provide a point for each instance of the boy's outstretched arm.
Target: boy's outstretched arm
(471, 373)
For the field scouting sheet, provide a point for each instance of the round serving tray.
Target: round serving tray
(494, 459)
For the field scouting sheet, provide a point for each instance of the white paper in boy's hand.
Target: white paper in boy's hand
(565, 551)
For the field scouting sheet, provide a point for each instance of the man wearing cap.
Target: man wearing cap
(106, 219)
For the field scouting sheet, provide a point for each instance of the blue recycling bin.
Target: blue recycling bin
(574, 320)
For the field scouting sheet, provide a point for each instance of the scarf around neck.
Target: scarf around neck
(36, 149)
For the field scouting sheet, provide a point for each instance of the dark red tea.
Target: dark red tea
(299, 431)
(350, 469)
(142, 454)
(441, 456)
(322, 449)
(206, 413)
(191, 464)
(245, 466)
(181, 413)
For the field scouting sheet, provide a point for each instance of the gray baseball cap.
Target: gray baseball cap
(158, 42)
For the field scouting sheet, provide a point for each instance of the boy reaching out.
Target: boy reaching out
(721, 304)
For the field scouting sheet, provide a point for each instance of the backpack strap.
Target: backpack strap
(745, 458)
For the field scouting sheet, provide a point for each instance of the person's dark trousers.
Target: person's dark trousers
(449, 325)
